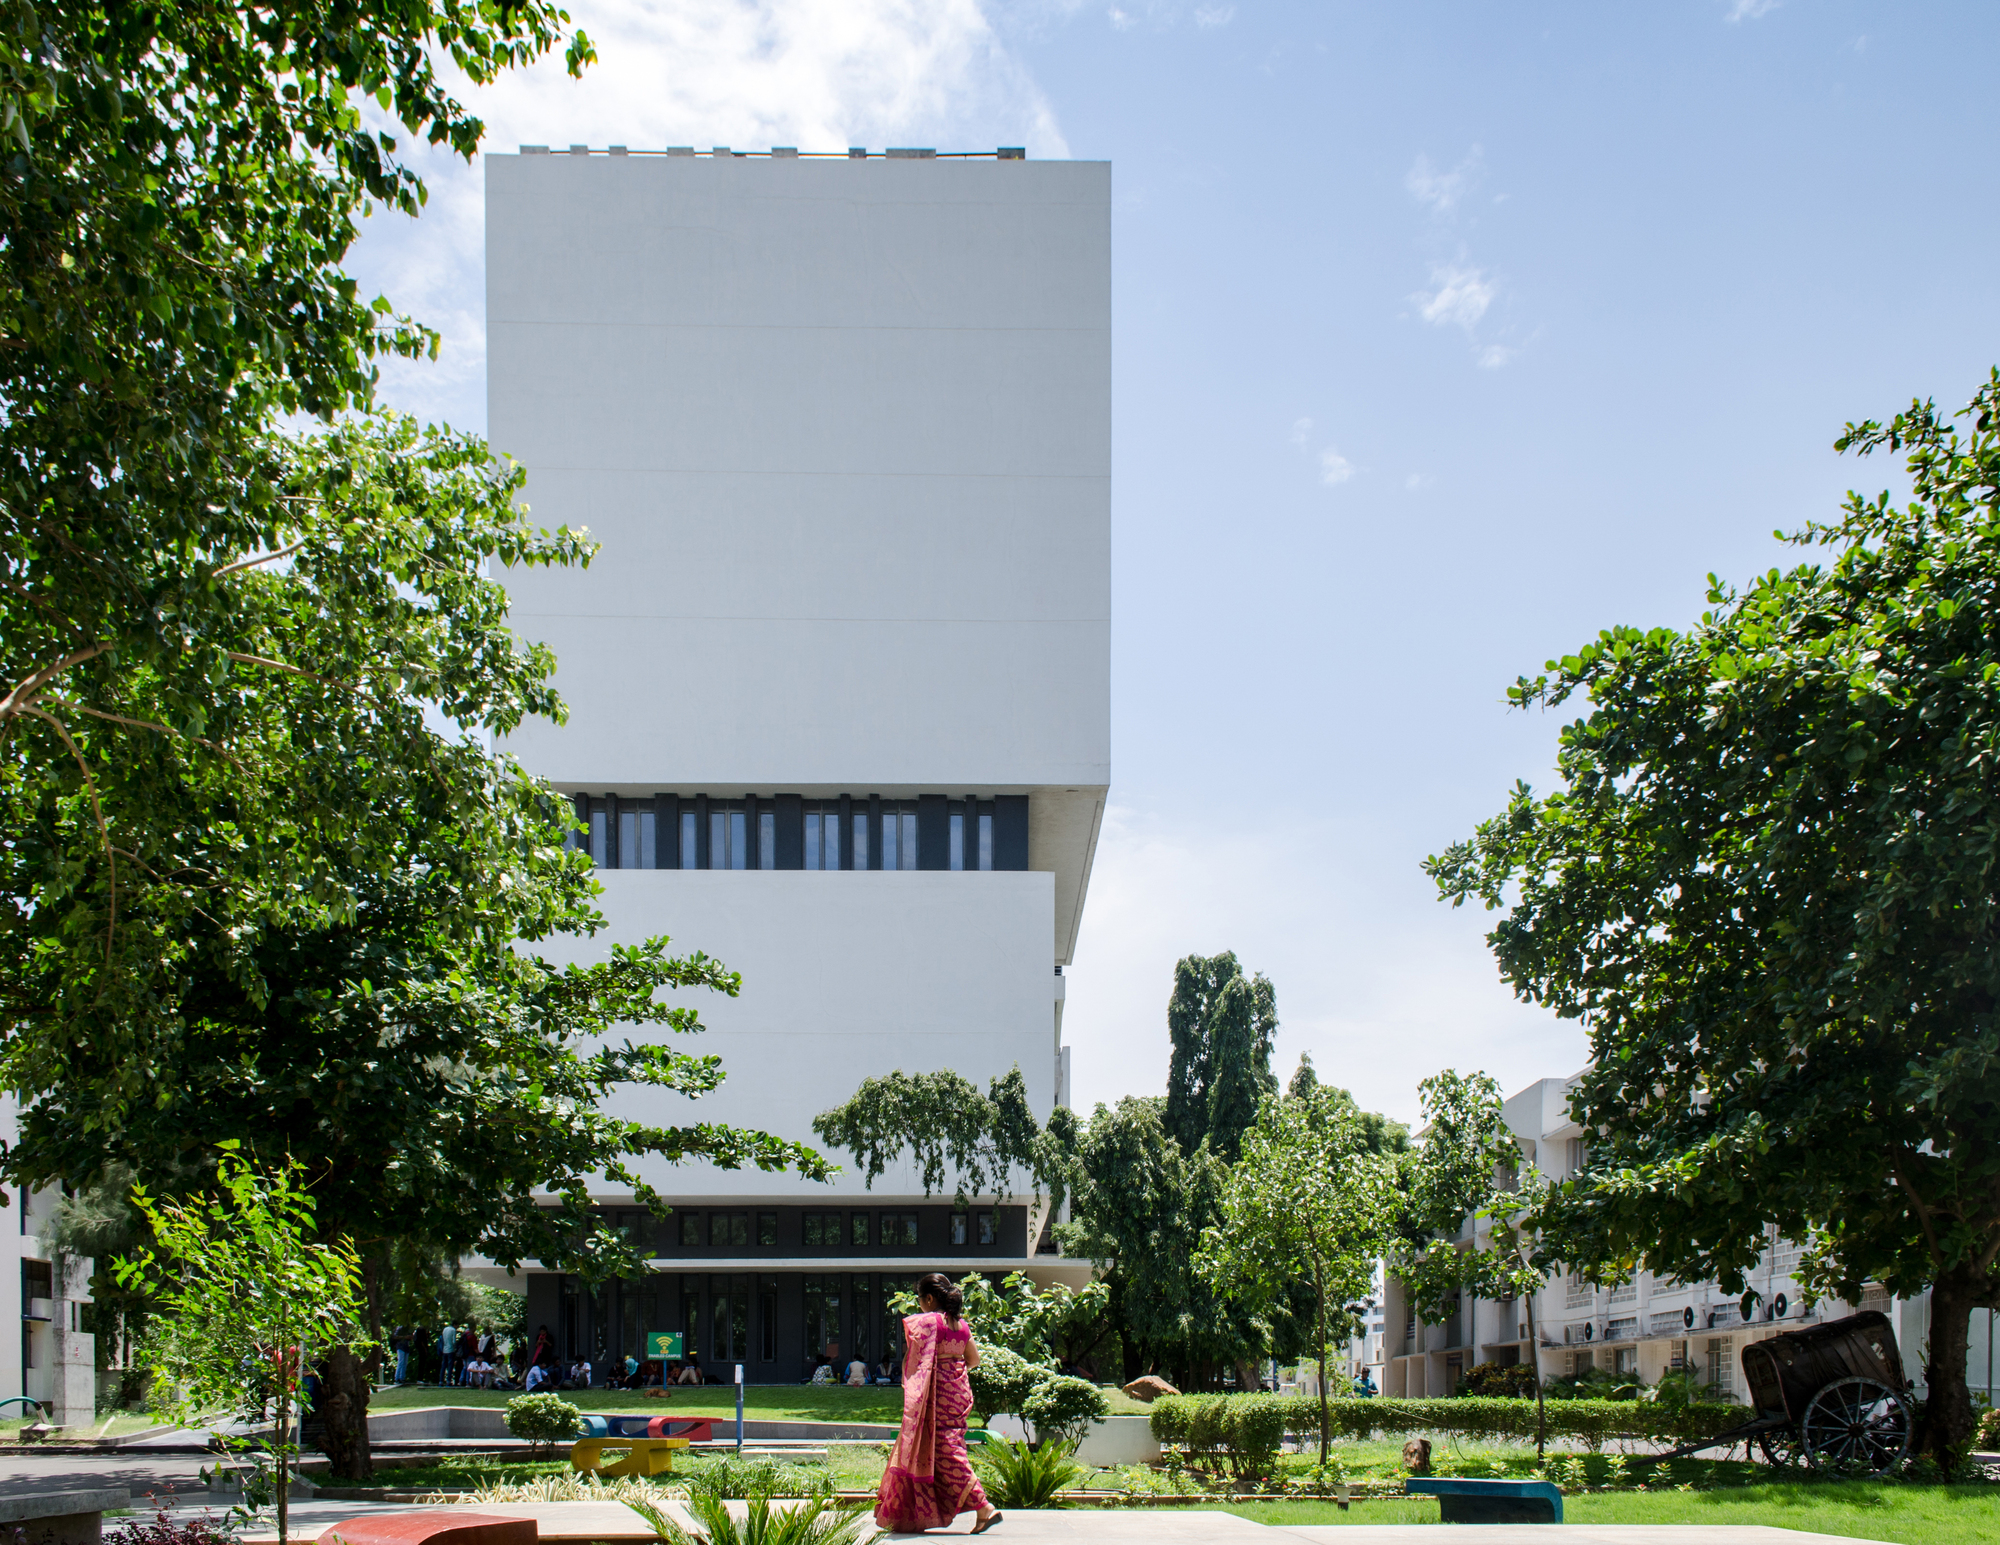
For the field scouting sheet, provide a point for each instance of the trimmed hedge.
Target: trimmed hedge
(1244, 1431)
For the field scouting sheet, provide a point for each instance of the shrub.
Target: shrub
(1241, 1432)
(1062, 1408)
(1017, 1476)
(543, 1419)
(1002, 1382)
(819, 1522)
(1206, 1427)
(169, 1531)
(1499, 1380)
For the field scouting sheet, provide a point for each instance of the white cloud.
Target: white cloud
(1334, 468)
(1301, 432)
(1751, 10)
(1416, 481)
(819, 74)
(1441, 191)
(1494, 355)
(1122, 20)
(1207, 16)
(1461, 297)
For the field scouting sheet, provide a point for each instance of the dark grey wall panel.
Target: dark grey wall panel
(933, 832)
(1010, 831)
(791, 831)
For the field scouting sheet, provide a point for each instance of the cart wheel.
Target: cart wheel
(1781, 1448)
(1855, 1424)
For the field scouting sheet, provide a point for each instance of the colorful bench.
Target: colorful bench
(458, 1526)
(649, 1442)
(1490, 1502)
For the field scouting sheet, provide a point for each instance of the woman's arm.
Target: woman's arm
(971, 1354)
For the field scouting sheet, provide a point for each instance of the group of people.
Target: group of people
(463, 1355)
(828, 1368)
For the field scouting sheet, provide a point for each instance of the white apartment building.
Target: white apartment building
(839, 680)
(1645, 1327)
(54, 1360)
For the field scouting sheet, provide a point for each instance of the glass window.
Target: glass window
(859, 820)
(687, 839)
(862, 1313)
(989, 1230)
(767, 1228)
(899, 1230)
(628, 839)
(729, 1318)
(691, 1317)
(857, 1230)
(767, 1316)
(690, 1228)
(822, 1316)
(909, 825)
(814, 1231)
(956, 818)
(812, 839)
(599, 835)
(767, 839)
(739, 840)
(958, 1228)
(729, 1228)
(985, 836)
(718, 837)
(891, 838)
(649, 843)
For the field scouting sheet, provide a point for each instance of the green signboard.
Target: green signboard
(663, 1343)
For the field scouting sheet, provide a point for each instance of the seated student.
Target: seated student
(857, 1373)
(687, 1373)
(538, 1375)
(651, 1375)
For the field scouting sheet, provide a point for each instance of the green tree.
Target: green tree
(439, 1080)
(1221, 1025)
(1306, 1200)
(249, 1298)
(214, 643)
(1049, 1327)
(1765, 885)
(1138, 1207)
(983, 1143)
(1468, 1171)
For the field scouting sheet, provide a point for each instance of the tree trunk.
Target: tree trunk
(344, 1411)
(1249, 1377)
(1947, 1431)
(1325, 1412)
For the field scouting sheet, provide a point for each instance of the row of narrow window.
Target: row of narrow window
(789, 832)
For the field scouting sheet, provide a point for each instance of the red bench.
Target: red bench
(457, 1527)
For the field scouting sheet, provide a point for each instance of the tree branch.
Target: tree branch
(251, 563)
(103, 831)
(21, 699)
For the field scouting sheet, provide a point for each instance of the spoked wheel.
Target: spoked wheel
(1781, 1448)
(1855, 1424)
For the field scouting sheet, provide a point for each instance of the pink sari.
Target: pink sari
(929, 1481)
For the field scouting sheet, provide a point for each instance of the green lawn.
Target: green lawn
(1870, 1510)
(766, 1402)
(116, 1425)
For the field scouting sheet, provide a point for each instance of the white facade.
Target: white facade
(1645, 1327)
(842, 427)
(53, 1360)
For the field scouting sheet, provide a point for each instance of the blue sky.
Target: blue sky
(1445, 336)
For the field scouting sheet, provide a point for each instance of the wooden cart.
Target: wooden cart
(1830, 1396)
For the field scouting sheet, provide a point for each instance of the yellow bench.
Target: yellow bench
(648, 1456)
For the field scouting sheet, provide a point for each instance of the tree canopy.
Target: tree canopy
(218, 640)
(1308, 1205)
(1221, 1024)
(1766, 886)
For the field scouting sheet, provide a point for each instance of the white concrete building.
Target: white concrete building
(1645, 1327)
(54, 1359)
(839, 679)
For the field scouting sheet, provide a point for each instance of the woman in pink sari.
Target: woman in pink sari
(929, 1481)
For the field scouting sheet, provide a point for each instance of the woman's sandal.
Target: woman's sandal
(996, 1518)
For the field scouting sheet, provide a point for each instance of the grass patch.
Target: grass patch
(761, 1402)
(118, 1424)
(1895, 1511)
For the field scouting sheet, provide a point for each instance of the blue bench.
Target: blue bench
(1490, 1502)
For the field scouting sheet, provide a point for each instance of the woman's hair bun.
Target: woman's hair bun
(944, 1293)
